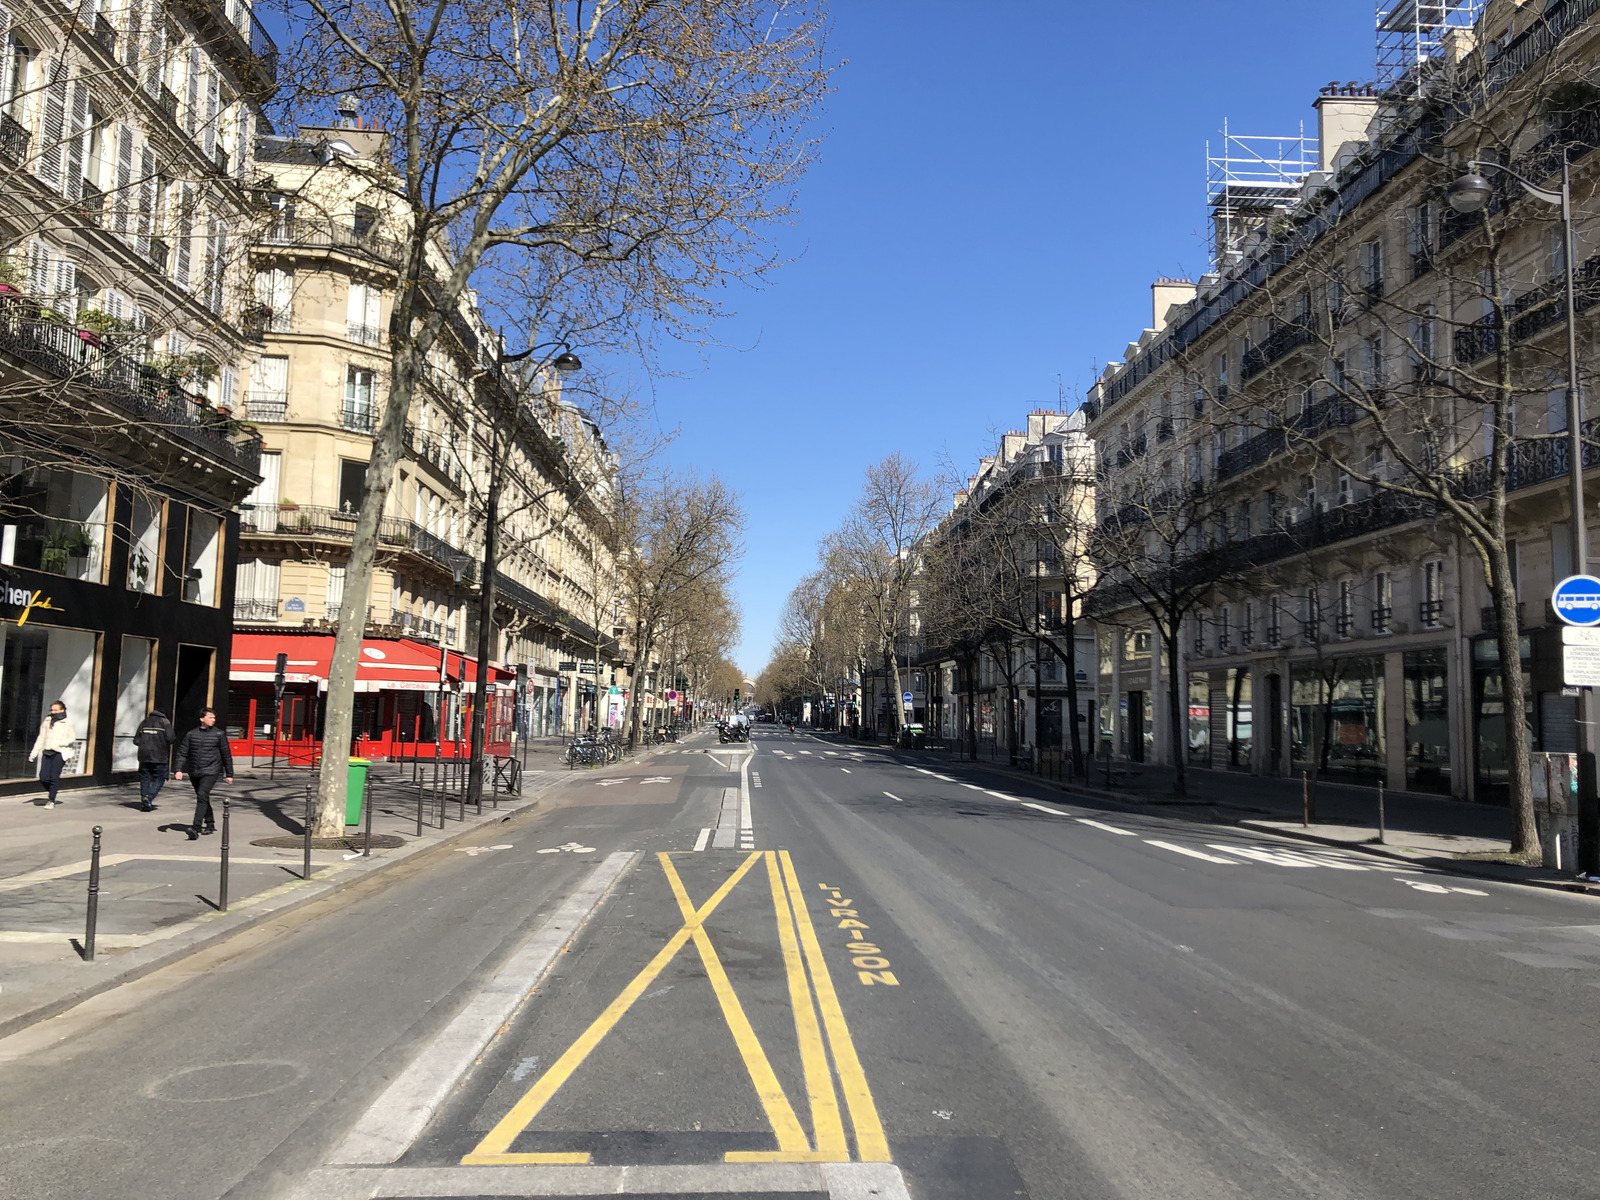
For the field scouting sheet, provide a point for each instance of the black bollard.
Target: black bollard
(94, 898)
(305, 872)
(222, 887)
(366, 804)
(419, 806)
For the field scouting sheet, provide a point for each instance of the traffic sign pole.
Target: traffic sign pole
(1576, 601)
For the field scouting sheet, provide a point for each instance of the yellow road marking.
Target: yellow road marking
(870, 1142)
(825, 1120)
(494, 1147)
(780, 1114)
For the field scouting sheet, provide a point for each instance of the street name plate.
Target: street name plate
(1580, 666)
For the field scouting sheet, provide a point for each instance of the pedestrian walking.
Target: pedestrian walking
(205, 755)
(57, 742)
(154, 741)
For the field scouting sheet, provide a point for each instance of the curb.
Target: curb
(220, 927)
(1452, 866)
(1448, 866)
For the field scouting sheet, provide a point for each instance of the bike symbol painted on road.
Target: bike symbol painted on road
(474, 851)
(1439, 889)
(569, 848)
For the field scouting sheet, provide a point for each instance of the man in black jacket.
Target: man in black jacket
(205, 755)
(154, 741)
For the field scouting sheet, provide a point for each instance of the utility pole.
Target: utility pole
(480, 695)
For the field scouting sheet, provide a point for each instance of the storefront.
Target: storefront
(407, 703)
(1336, 718)
(113, 601)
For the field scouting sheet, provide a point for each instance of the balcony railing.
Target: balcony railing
(1531, 312)
(1286, 337)
(332, 235)
(160, 253)
(13, 139)
(1346, 624)
(237, 36)
(1491, 618)
(105, 33)
(221, 160)
(140, 393)
(92, 203)
(167, 102)
(1381, 618)
(355, 419)
(255, 610)
(1431, 613)
(1332, 413)
(365, 335)
(1164, 430)
(268, 406)
(321, 521)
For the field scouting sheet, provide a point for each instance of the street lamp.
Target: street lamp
(1469, 194)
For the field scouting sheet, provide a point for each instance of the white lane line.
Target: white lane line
(1177, 849)
(944, 778)
(1107, 828)
(846, 770)
(1054, 812)
(1003, 796)
(892, 796)
(755, 778)
(973, 786)
(747, 827)
(387, 1129)
(700, 842)
(805, 752)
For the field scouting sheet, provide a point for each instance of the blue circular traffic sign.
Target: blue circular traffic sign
(1576, 600)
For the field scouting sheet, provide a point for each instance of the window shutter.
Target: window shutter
(130, 37)
(80, 124)
(191, 106)
(147, 200)
(228, 385)
(216, 262)
(5, 43)
(123, 182)
(357, 307)
(156, 57)
(65, 299)
(374, 304)
(244, 137)
(182, 235)
(213, 107)
(55, 119)
(38, 269)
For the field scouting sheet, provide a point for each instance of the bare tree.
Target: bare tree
(650, 141)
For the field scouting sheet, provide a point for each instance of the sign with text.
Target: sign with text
(1580, 666)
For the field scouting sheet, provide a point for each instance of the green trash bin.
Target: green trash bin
(355, 789)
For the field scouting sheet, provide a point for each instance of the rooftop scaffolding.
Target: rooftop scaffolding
(1412, 32)
(1251, 178)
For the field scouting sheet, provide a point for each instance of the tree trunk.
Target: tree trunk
(891, 671)
(338, 708)
(1233, 718)
(480, 695)
(1519, 765)
(1072, 692)
(1178, 728)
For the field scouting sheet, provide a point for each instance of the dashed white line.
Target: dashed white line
(1107, 828)
(892, 796)
(846, 770)
(1054, 812)
(755, 778)
(700, 843)
(973, 786)
(1201, 854)
(1003, 796)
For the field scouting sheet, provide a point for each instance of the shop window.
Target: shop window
(52, 520)
(1336, 718)
(1199, 720)
(1427, 711)
(202, 558)
(40, 664)
(144, 543)
(134, 675)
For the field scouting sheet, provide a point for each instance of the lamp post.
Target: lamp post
(1469, 194)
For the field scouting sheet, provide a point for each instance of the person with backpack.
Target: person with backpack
(154, 741)
(56, 743)
(206, 756)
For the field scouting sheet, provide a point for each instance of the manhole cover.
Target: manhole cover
(289, 841)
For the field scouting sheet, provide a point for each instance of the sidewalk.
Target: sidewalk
(1428, 830)
(159, 890)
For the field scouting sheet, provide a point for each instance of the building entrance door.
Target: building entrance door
(1275, 718)
(193, 690)
(1136, 726)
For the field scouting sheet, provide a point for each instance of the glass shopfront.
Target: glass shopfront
(40, 664)
(1427, 680)
(1489, 715)
(1336, 718)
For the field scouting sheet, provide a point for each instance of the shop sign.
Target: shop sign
(26, 600)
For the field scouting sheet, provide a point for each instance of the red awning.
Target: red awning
(386, 664)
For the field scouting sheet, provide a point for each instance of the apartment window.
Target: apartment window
(365, 304)
(1347, 493)
(1514, 556)
(352, 480)
(1422, 357)
(1274, 620)
(1372, 268)
(269, 388)
(275, 294)
(1309, 490)
(1558, 253)
(357, 413)
(144, 543)
(1243, 520)
(1347, 609)
(1311, 613)
(1431, 609)
(1372, 354)
(1274, 509)
(365, 220)
(1382, 602)
(1419, 239)
(255, 589)
(1224, 628)
(335, 590)
(20, 65)
(1199, 632)
(1247, 623)
(52, 520)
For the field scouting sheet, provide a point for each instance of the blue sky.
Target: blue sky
(1000, 184)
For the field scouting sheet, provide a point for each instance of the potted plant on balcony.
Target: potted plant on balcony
(12, 277)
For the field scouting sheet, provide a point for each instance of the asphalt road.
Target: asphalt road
(810, 968)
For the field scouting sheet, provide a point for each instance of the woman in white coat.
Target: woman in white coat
(57, 739)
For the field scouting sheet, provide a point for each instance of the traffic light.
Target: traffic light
(736, 695)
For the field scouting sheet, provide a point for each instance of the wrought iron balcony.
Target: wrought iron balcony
(1346, 624)
(1286, 337)
(13, 139)
(167, 102)
(160, 253)
(1381, 618)
(235, 35)
(365, 335)
(1431, 613)
(356, 419)
(268, 406)
(105, 33)
(1531, 312)
(255, 610)
(92, 203)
